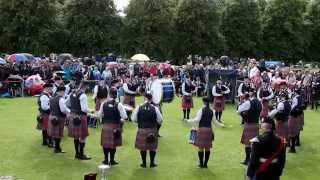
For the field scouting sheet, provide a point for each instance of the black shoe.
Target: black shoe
(292, 151)
(153, 165)
(200, 166)
(84, 157)
(205, 166)
(244, 163)
(105, 162)
(58, 151)
(113, 163)
(298, 144)
(77, 156)
(143, 165)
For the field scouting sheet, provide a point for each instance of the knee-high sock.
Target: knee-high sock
(184, 113)
(207, 157)
(112, 154)
(152, 156)
(217, 116)
(81, 149)
(298, 140)
(220, 114)
(188, 113)
(106, 154)
(44, 137)
(293, 143)
(200, 156)
(76, 146)
(143, 155)
(57, 143)
(248, 152)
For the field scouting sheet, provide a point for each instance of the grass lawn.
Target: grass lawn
(22, 155)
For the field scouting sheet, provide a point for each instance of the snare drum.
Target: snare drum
(162, 91)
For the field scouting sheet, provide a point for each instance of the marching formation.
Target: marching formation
(272, 117)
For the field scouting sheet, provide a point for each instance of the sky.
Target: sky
(121, 4)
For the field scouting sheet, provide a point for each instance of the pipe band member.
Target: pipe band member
(148, 117)
(205, 135)
(57, 118)
(113, 116)
(44, 112)
(250, 111)
(188, 88)
(219, 91)
(78, 125)
(265, 94)
(130, 91)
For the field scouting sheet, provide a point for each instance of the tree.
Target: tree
(313, 21)
(284, 29)
(26, 26)
(92, 26)
(147, 28)
(241, 28)
(197, 29)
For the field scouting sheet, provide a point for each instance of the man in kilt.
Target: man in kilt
(148, 117)
(265, 94)
(205, 134)
(58, 112)
(100, 92)
(219, 91)
(187, 102)
(113, 115)
(250, 111)
(44, 111)
(268, 156)
(281, 115)
(78, 125)
(296, 121)
(130, 91)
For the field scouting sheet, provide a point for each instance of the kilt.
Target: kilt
(80, 131)
(107, 136)
(187, 103)
(250, 131)
(204, 138)
(265, 109)
(98, 104)
(44, 124)
(282, 129)
(56, 131)
(129, 100)
(219, 103)
(301, 121)
(141, 139)
(294, 126)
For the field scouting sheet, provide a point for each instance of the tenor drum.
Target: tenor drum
(162, 91)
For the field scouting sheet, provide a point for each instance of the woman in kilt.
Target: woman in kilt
(188, 88)
(250, 111)
(44, 111)
(219, 91)
(57, 118)
(78, 125)
(113, 115)
(148, 118)
(205, 134)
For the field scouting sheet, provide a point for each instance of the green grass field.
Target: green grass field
(22, 155)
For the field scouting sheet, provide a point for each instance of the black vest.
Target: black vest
(206, 118)
(187, 87)
(132, 87)
(39, 104)
(254, 111)
(284, 114)
(264, 93)
(75, 105)
(55, 107)
(246, 89)
(111, 113)
(147, 117)
(102, 92)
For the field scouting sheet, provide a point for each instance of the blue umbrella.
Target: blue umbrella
(17, 58)
(2, 61)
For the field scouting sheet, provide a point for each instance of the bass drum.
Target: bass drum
(162, 90)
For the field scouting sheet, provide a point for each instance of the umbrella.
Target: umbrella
(140, 57)
(65, 56)
(17, 58)
(2, 61)
(29, 56)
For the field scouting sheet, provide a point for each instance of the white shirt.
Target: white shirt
(253, 72)
(45, 102)
(214, 91)
(84, 103)
(63, 107)
(268, 97)
(121, 109)
(294, 102)
(126, 89)
(198, 117)
(244, 106)
(184, 90)
(134, 116)
(280, 107)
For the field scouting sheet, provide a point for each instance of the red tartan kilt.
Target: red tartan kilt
(107, 136)
(204, 138)
(44, 124)
(249, 132)
(219, 104)
(294, 126)
(98, 104)
(80, 131)
(56, 131)
(129, 100)
(186, 104)
(282, 129)
(141, 139)
(265, 109)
